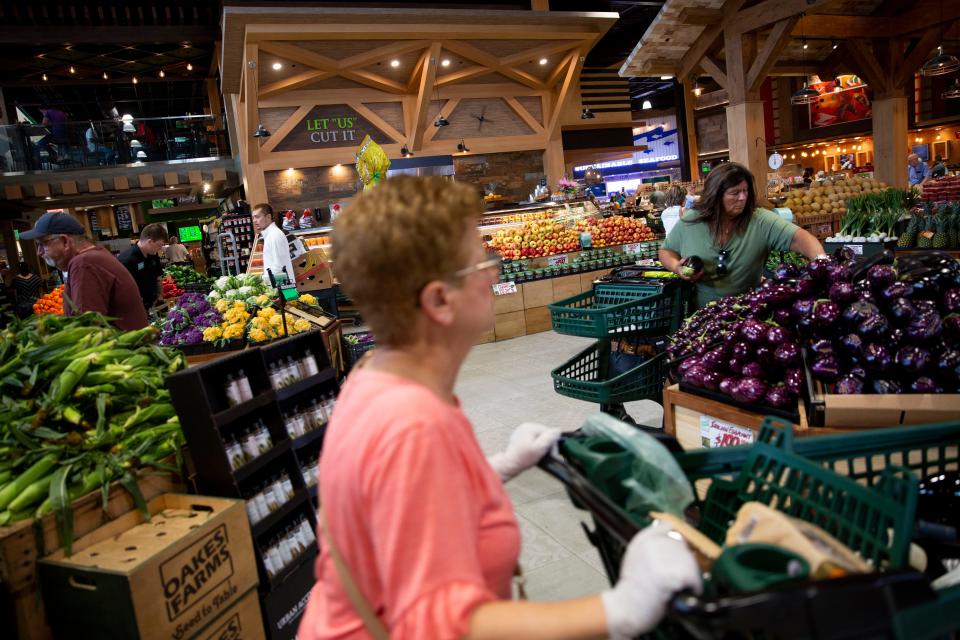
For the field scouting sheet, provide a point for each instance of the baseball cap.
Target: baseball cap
(53, 223)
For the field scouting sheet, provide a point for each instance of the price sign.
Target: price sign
(716, 433)
(504, 288)
(124, 221)
(636, 247)
(856, 248)
(94, 222)
(556, 261)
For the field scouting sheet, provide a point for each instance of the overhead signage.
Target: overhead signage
(331, 126)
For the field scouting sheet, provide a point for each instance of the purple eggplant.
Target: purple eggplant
(895, 337)
(764, 354)
(822, 347)
(777, 335)
(820, 269)
(805, 287)
(753, 370)
(913, 360)
(880, 276)
(780, 295)
(712, 379)
(901, 311)
(842, 292)
(875, 326)
(783, 316)
(695, 374)
(749, 390)
(825, 368)
(885, 386)
(726, 385)
(924, 329)
(787, 354)
(859, 311)
(848, 385)
(844, 254)
(753, 331)
(852, 344)
(742, 350)
(777, 396)
(785, 271)
(876, 357)
(924, 384)
(896, 290)
(714, 359)
(841, 273)
(825, 313)
(735, 365)
(858, 372)
(951, 326)
(950, 302)
(794, 381)
(947, 362)
(924, 306)
(802, 307)
(687, 364)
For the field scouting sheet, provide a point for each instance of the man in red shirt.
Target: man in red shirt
(96, 281)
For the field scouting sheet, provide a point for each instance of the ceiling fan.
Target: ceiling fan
(481, 118)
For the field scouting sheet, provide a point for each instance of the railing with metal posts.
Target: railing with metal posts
(98, 143)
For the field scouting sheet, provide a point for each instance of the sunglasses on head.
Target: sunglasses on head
(722, 262)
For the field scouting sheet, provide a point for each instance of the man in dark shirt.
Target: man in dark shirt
(96, 281)
(142, 262)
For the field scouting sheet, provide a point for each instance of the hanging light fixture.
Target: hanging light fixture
(261, 132)
(646, 105)
(941, 64)
(953, 92)
(805, 95)
(587, 114)
(405, 152)
(441, 121)
(697, 90)
(462, 146)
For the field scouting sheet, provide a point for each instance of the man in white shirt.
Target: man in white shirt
(276, 249)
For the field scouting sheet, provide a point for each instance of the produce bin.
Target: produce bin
(899, 604)
(617, 309)
(354, 352)
(585, 377)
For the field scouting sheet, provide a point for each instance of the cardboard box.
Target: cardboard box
(311, 271)
(889, 410)
(162, 579)
(242, 621)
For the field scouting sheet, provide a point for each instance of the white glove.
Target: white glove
(528, 443)
(655, 567)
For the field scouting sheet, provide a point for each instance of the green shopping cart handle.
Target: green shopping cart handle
(749, 567)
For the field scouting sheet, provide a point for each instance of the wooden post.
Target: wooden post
(745, 137)
(553, 164)
(690, 140)
(890, 140)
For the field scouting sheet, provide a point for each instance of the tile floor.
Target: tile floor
(503, 384)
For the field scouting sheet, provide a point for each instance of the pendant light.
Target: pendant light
(405, 152)
(261, 132)
(941, 64)
(440, 121)
(462, 146)
(953, 92)
(806, 95)
(587, 114)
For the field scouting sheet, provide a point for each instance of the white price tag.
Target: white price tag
(636, 247)
(556, 261)
(716, 433)
(856, 248)
(504, 288)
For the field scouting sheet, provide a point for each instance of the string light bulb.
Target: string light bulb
(189, 67)
(161, 74)
(44, 77)
(135, 80)
(72, 69)
(105, 76)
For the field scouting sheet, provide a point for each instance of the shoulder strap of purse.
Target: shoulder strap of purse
(361, 605)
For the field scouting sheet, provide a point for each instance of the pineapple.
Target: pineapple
(925, 237)
(952, 236)
(909, 236)
(940, 237)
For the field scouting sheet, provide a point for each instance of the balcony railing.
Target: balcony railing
(100, 143)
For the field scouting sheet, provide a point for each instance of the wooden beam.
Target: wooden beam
(700, 15)
(462, 74)
(525, 115)
(767, 56)
(539, 52)
(492, 62)
(690, 139)
(365, 94)
(772, 11)
(366, 58)
(540, 5)
(448, 108)
(422, 108)
(713, 69)
(251, 108)
(563, 95)
(414, 31)
(216, 106)
(373, 80)
(284, 129)
(557, 71)
(417, 70)
(377, 121)
(917, 56)
(293, 82)
(867, 66)
(840, 27)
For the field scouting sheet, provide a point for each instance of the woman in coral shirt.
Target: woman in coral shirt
(417, 516)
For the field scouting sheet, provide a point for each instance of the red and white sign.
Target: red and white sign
(716, 433)
(504, 288)
(556, 261)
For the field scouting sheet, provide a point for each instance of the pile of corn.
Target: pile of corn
(81, 405)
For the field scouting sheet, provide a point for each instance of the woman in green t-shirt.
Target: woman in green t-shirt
(731, 235)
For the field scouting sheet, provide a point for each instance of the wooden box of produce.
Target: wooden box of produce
(866, 411)
(164, 578)
(21, 546)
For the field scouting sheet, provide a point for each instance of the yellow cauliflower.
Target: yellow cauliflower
(211, 334)
(306, 298)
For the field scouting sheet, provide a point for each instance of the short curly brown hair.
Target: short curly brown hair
(396, 238)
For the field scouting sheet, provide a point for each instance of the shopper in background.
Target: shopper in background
(676, 196)
(26, 290)
(413, 514)
(143, 263)
(939, 169)
(96, 281)
(276, 248)
(657, 196)
(731, 235)
(917, 170)
(808, 175)
(176, 252)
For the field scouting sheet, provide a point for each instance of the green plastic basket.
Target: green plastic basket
(619, 309)
(584, 377)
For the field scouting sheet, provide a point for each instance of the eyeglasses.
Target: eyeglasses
(493, 261)
(722, 262)
(43, 242)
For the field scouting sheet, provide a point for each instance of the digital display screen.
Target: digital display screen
(190, 234)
